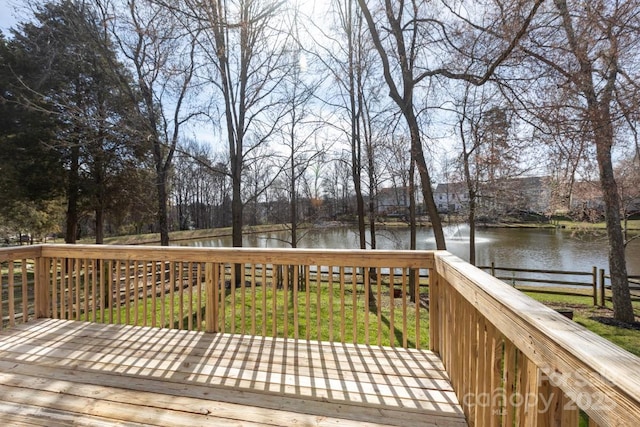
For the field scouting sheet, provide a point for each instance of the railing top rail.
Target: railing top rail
(585, 364)
(19, 252)
(335, 257)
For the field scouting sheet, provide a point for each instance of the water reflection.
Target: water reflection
(547, 249)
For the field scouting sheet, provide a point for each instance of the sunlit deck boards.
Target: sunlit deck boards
(55, 372)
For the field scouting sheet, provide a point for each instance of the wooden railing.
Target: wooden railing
(511, 360)
(347, 296)
(17, 270)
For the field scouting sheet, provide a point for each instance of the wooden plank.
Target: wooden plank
(153, 360)
(94, 339)
(223, 403)
(20, 252)
(286, 256)
(15, 414)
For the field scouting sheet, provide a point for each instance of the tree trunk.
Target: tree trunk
(163, 221)
(372, 204)
(99, 225)
(417, 155)
(621, 297)
(472, 229)
(293, 211)
(412, 221)
(73, 189)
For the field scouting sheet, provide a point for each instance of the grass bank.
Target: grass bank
(177, 236)
(597, 319)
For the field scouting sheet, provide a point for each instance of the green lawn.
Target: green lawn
(332, 322)
(584, 311)
(335, 321)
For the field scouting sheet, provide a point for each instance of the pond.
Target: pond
(534, 248)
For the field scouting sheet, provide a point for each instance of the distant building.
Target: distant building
(451, 197)
(395, 201)
(502, 197)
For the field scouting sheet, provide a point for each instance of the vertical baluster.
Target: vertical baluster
(296, 320)
(144, 271)
(154, 293)
(531, 380)
(330, 303)
(274, 297)
(94, 290)
(2, 281)
(484, 372)
(136, 270)
(379, 303)
(127, 292)
(25, 293)
(199, 297)
(405, 341)
(85, 287)
(164, 269)
(307, 289)
(509, 381)
(243, 300)
(77, 271)
(264, 300)
(354, 304)
(63, 288)
(416, 280)
(103, 294)
(319, 302)
(253, 299)
(221, 284)
(232, 293)
(179, 284)
(11, 300)
(472, 354)
(392, 303)
(342, 306)
(110, 289)
(190, 266)
(285, 301)
(172, 294)
(367, 303)
(54, 288)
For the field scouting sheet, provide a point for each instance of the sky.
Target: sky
(7, 16)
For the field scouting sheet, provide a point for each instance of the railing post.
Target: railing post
(41, 288)
(594, 281)
(434, 311)
(211, 310)
(602, 288)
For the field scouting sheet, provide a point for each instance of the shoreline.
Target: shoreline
(185, 235)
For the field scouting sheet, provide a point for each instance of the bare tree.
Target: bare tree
(298, 131)
(244, 42)
(588, 52)
(162, 57)
(400, 36)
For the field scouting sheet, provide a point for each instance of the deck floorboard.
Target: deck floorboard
(57, 372)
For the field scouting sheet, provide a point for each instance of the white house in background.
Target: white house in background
(532, 194)
(451, 197)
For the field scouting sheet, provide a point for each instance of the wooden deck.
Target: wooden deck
(56, 372)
